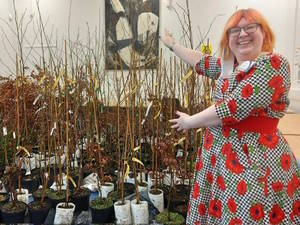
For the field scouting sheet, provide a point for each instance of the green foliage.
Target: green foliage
(101, 203)
(175, 218)
(56, 195)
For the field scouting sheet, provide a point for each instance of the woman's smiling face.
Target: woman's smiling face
(246, 46)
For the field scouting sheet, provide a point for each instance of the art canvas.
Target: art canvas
(132, 29)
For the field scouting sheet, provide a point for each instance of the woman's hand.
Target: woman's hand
(168, 40)
(182, 122)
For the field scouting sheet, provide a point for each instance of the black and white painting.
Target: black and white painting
(131, 29)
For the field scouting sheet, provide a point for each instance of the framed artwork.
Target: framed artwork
(131, 33)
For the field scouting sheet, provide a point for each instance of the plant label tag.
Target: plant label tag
(179, 153)
(4, 131)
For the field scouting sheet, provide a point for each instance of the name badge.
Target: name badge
(246, 66)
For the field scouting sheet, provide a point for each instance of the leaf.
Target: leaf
(180, 140)
(57, 80)
(256, 89)
(251, 149)
(137, 161)
(42, 79)
(96, 84)
(270, 90)
(187, 75)
(71, 81)
(186, 98)
(21, 148)
(136, 148)
(72, 181)
(249, 186)
(158, 113)
(127, 169)
(206, 49)
(268, 66)
(130, 93)
(197, 131)
(98, 90)
(255, 167)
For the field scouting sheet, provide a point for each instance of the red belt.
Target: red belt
(264, 125)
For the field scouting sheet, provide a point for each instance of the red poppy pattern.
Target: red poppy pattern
(241, 187)
(276, 215)
(235, 221)
(215, 208)
(247, 91)
(296, 208)
(233, 165)
(208, 140)
(213, 160)
(232, 106)
(246, 177)
(225, 86)
(268, 140)
(196, 190)
(257, 212)
(277, 186)
(221, 183)
(202, 209)
(285, 162)
(275, 62)
(231, 205)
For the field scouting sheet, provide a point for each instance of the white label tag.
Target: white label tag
(36, 99)
(4, 131)
(246, 66)
(179, 153)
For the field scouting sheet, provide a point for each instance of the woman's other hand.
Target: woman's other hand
(182, 122)
(168, 40)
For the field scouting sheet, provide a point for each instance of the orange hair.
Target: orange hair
(251, 15)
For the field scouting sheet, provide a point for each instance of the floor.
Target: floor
(289, 125)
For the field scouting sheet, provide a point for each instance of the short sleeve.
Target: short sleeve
(264, 86)
(209, 66)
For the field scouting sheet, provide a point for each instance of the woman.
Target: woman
(245, 172)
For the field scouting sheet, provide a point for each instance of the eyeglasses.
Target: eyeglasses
(249, 29)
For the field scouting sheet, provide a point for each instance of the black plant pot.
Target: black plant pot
(37, 195)
(36, 172)
(52, 196)
(183, 189)
(38, 215)
(81, 199)
(102, 210)
(16, 216)
(31, 183)
(181, 196)
(103, 215)
(87, 171)
(50, 180)
(3, 199)
(129, 188)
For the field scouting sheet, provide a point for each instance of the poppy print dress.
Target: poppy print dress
(245, 171)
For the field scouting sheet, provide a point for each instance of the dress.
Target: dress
(246, 177)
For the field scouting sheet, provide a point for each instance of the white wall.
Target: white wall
(58, 21)
(281, 15)
(295, 90)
